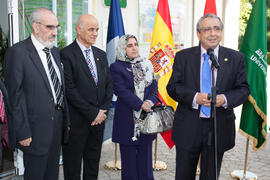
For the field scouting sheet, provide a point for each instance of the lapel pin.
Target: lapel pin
(97, 59)
(225, 59)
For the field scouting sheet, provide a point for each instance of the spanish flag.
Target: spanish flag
(162, 56)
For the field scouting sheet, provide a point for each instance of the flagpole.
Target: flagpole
(158, 165)
(244, 174)
(113, 165)
(246, 157)
(155, 154)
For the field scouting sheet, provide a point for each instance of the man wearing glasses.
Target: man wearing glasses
(190, 85)
(35, 84)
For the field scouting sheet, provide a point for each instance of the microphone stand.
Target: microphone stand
(213, 118)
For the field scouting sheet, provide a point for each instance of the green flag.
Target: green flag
(253, 118)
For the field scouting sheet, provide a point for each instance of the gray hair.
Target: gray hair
(35, 15)
(199, 23)
(79, 23)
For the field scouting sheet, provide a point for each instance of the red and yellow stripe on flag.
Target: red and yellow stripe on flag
(162, 56)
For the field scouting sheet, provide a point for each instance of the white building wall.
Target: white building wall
(189, 40)
(101, 12)
(14, 10)
(6, 7)
(228, 11)
(3, 16)
(231, 21)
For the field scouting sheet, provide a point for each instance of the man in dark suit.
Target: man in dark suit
(189, 86)
(35, 83)
(89, 94)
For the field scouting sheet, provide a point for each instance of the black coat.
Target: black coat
(84, 96)
(31, 99)
(185, 83)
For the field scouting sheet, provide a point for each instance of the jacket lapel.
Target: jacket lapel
(98, 65)
(57, 60)
(37, 62)
(196, 64)
(221, 70)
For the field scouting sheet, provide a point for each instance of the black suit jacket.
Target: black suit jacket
(31, 98)
(84, 96)
(185, 83)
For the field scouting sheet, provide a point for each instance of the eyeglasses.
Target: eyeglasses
(50, 27)
(209, 29)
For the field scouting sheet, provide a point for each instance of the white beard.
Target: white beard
(47, 44)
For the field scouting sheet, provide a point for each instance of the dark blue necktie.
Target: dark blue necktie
(206, 82)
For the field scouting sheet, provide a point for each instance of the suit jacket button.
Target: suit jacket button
(52, 118)
(51, 99)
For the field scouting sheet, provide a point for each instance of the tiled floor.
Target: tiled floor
(258, 162)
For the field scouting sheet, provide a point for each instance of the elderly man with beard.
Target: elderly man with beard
(35, 84)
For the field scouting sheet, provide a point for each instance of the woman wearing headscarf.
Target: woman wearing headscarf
(134, 86)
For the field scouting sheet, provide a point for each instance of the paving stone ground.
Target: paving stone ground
(258, 162)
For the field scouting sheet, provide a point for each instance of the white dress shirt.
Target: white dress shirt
(194, 104)
(39, 47)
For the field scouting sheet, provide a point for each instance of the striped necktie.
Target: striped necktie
(206, 82)
(90, 65)
(2, 108)
(58, 89)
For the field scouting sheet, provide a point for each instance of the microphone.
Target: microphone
(213, 57)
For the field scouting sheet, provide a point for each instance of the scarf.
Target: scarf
(143, 73)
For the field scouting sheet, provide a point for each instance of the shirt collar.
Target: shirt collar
(205, 51)
(82, 47)
(36, 43)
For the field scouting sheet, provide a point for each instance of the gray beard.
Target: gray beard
(46, 44)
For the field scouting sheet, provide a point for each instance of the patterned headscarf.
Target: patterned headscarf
(143, 75)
